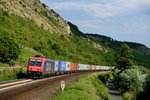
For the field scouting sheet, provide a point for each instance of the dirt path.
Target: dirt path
(113, 92)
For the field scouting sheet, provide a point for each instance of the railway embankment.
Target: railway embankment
(78, 86)
(90, 87)
(40, 89)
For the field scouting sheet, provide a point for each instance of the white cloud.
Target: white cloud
(100, 9)
(135, 27)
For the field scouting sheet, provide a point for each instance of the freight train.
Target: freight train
(39, 67)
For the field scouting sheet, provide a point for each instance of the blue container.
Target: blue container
(61, 65)
(49, 66)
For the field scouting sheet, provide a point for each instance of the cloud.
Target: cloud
(100, 8)
(126, 26)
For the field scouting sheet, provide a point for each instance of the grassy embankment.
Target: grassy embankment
(91, 87)
(17, 72)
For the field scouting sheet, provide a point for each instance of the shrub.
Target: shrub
(11, 74)
(131, 80)
(103, 78)
(128, 96)
(9, 49)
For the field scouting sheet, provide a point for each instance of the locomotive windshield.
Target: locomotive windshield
(34, 62)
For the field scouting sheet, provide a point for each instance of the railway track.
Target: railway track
(9, 85)
(11, 90)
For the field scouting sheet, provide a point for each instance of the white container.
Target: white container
(67, 68)
(56, 66)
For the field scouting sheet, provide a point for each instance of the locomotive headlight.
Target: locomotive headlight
(39, 69)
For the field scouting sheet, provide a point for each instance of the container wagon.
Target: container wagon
(61, 66)
(67, 67)
(73, 67)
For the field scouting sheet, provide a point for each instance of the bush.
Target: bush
(128, 96)
(103, 78)
(11, 74)
(8, 75)
(9, 49)
(145, 95)
(131, 80)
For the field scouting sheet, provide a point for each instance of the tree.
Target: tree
(9, 49)
(125, 59)
(131, 80)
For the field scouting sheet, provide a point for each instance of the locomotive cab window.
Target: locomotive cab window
(35, 62)
(38, 62)
(32, 62)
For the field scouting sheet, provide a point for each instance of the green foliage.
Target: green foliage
(90, 87)
(145, 95)
(12, 73)
(142, 56)
(3, 65)
(141, 52)
(104, 78)
(9, 49)
(125, 59)
(131, 80)
(128, 96)
(25, 54)
(8, 75)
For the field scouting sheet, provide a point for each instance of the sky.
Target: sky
(123, 20)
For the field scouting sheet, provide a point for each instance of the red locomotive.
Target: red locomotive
(40, 67)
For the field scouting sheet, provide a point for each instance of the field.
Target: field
(89, 87)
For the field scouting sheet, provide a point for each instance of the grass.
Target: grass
(3, 65)
(26, 53)
(86, 88)
(128, 96)
(22, 60)
(12, 73)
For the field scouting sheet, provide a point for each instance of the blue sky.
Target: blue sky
(123, 20)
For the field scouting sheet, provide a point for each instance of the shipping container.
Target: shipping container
(67, 68)
(73, 66)
(90, 67)
(98, 67)
(49, 66)
(105, 68)
(61, 65)
(56, 66)
(93, 67)
(87, 67)
(80, 67)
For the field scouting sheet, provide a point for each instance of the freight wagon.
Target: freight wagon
(93, 67)
(67, 68)
(73, 67)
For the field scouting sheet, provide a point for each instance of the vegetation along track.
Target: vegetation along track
(35, 89)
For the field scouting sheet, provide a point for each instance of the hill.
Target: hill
(141, 52)
(31, 24)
